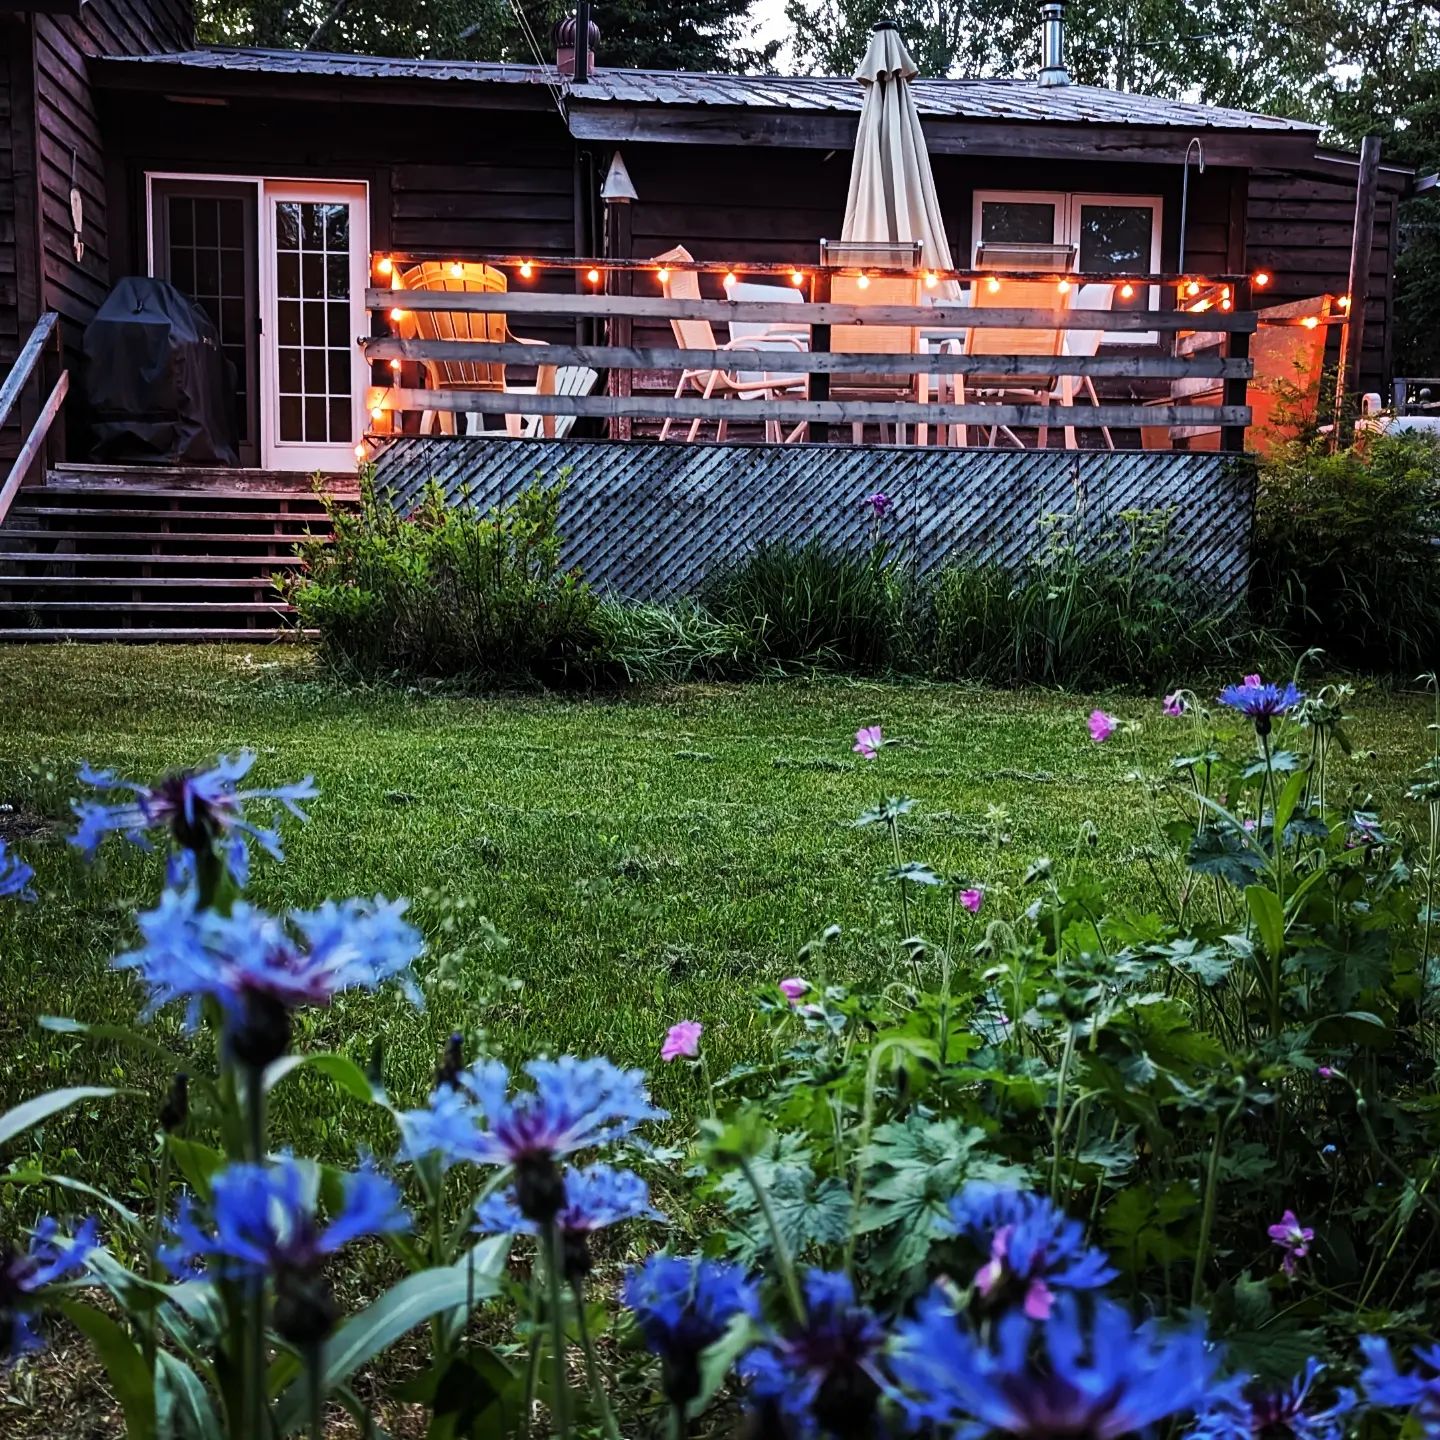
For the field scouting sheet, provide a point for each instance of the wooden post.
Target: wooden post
(622, 282)
(1352, 338)
(818, 387)
(1237, 391)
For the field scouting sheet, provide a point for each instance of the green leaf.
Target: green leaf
(410, 1303)
(52, 1102)
(196, 1162)
(183, 1409)
(113, 1035)
(1269, 918)
(124, 1365)
(1289, 799)
(339, 1068)
(718, 1360)
(1222, 851)
(43, 1177)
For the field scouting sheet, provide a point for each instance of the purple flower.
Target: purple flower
(794, 989)
(24, 1275)
(868, 742)
(972, 900)
(1034, 1248)
(1293, 1238)
(198, 808)
(575, 1105)
(1098, 1378)
(1325, 1072)
(1175, 705)
(1261, 702)
(682, 1040)
(824, 1374)
(682, 1306)
(1385, 1384)
(1254, 680)
(15, 876)
(1102, 726)
(879, 502)
(595, 1198)
(1244, 1409)
(260, 968)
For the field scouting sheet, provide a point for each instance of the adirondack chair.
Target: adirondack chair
(569, 380)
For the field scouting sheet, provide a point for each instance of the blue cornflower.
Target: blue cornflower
(1386, 1384)
(575, 1105)
(1241, 1408)
(260, 968)
(823, 1376)
(1093, 1380)
(1260, 700)
(25, 1273)
(1034, 1247)
(198, 808)
(595, 1197)
(683, 1305)
(262, 1222)
(15, 876)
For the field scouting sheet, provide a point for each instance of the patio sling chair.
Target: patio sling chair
(482, 376)
(877, 289)
(707, 381)
(1086, 343)
(1002, 388)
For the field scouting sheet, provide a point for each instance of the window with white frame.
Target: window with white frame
(1111, 234)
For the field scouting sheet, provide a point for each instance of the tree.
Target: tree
(651, 34)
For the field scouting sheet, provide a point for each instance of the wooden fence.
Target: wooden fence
(820, 363)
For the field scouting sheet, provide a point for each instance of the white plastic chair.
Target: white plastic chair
(1084, 342)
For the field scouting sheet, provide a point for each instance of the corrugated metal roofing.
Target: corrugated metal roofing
(1005, 100)
(649, 519)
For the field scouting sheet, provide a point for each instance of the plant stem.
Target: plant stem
(592, 1367)
(532, 1363)
(1207, 1215)
(904, 884)
(554, 1273)
(1059, 1126)
(783, 1259)
(256, 1391)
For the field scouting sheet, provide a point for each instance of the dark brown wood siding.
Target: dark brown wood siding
(1299, 225)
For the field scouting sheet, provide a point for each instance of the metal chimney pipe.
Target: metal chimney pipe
(1052, 44)
(582, 43)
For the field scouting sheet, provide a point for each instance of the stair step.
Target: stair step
(41, 635)
(136, 582)
(126, 513)
(64, 557)
(191, 537)
(196, 607)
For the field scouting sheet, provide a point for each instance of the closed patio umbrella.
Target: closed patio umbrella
(892, 188)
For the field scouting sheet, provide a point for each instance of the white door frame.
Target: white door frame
(275, 453)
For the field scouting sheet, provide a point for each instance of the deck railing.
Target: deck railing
(617, 313)
(30, 363)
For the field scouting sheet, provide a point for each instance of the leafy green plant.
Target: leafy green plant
(653, 643)
(445, 592)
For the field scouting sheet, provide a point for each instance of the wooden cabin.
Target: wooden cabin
(126, 149)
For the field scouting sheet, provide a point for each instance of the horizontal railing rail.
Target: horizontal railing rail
(27, 365)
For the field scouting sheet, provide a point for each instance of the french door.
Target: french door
(307, 249)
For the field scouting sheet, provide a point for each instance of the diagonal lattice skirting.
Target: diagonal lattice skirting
(645, 519)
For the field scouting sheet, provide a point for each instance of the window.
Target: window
(1111, 234)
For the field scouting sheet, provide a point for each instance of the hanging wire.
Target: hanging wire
(528, 34)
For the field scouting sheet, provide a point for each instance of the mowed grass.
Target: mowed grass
(587, 870)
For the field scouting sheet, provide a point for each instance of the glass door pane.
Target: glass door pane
(1118, 238)
(1018, 222)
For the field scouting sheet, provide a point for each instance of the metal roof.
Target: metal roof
(1008, 100)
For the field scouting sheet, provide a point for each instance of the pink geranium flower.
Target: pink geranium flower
(794, 988)
(1293, 1238)
(682, 1041)
(868, 742)
(1174, 704)
(1102, 726)
(972, 900)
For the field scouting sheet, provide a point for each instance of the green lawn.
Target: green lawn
(645, 858)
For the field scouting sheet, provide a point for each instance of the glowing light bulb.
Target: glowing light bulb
(1193, 288)
(385, 265)
(457, 269)
(1226, 304)
(1262, 278)
(992, 284)
(1063, 287)
(797, 278)
(593, 276)
(377, 412)
(931, 279)
(1127, 291)
(526, 269)
(663, 274)
(1310, 321)
(1343, 302)
(394, 364)
(729, 278)
(360, 451)
(397, 314)
(863, 280)
(1225, 293)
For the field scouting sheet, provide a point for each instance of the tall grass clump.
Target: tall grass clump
(814, 603)
(1346, 554)
(1077, 619)
(648, 643)
(447, 592)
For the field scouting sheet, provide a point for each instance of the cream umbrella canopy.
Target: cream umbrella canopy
(892, 187)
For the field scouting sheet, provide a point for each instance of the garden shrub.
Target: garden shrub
(657, 643)
(814, 603)
(1346, 554)
(447, 592)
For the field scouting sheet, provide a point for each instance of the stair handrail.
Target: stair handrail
(27, 363)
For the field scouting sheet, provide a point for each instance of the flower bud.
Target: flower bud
(452, 1062)
(175, 1109)
(263, 1036)
(539, 1188)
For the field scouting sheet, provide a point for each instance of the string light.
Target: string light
(797, 278)
(663, 274)
(384, 264)
(1310, 321)
(992, 284)
(1343, 302)
(397, 315)
(1226, 303)
(1225, 293)
(395, 365)
(593, 276)
(729, 278)
(457, 270)
(931, 279)
(1063, 287)
(1127, 291)
(1262, 278)
(863, 280)
(1193, 288)
(360, 451)
(526, 269)
(377, 412)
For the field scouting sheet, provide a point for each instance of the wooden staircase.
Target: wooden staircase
(104, 553)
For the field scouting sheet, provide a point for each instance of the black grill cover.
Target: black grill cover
(161, 391)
